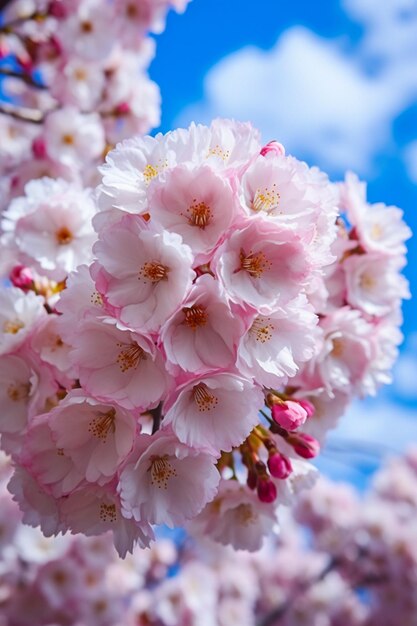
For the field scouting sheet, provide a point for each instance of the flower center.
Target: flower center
(80, 74)
(217, 151)
(161, 471)
(64, 236)
(12, 327)
(205, 400)
(195, 316)
(262, 329)
(108, 512)
(86, 26)
(60, 578)
(199, 214)
(155, 272)
(68, 139)
(102, 424)
(132, 11)
(376, 231)
(338, 347)
(151, 171)
(266, 200)
(130, 356)
(367, 281)
(245, 514)
(254, 264)
(18, 392)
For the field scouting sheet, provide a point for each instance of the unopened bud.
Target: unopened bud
(304, 445)
(267, 492)
(21, 277)
(123, 108)
(273, 147)
(279, 465)
(289, 414)
(57, 9)
(307, 406)
(39, 148)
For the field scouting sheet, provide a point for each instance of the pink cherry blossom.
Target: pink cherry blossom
(204, 333)
(161, 481)
(374, 283)
(208, 412)
(97, 437)
(149, 272)
(119, 366)
(236, 517)
(262, 264)
(275, 344)
(197, 204)
(95, 510)
(20, 313)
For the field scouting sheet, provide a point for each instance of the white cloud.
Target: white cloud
(377, 425)
(320, 100)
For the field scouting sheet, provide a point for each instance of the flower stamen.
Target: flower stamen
(130, 356)
(204, 400)
(108, 512)
(195, 316)
(12, 327)
(18, 392)
(200, 214)
(262, 329)
(102, 424)
(266, 200)
(254, 264)
(161, 471)
(64, 236)
(155, 272)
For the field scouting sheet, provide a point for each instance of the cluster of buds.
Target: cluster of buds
(200, 338)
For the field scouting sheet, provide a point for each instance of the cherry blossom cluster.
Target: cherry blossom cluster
(358, 569)
(76, 74)
(181, 363)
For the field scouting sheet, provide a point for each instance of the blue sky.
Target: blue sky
(336, 82)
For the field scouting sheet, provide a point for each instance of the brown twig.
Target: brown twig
(279, 612)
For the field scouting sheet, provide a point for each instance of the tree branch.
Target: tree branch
(22, 113)
(279, 611)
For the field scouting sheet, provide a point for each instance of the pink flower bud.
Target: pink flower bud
(21, 277)
(267, 492)
(123, 108)
(304, 445)
(273, 147)
(308, 407)
(57, 9)
(39, 148)
(279, 465)
(289, 414)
